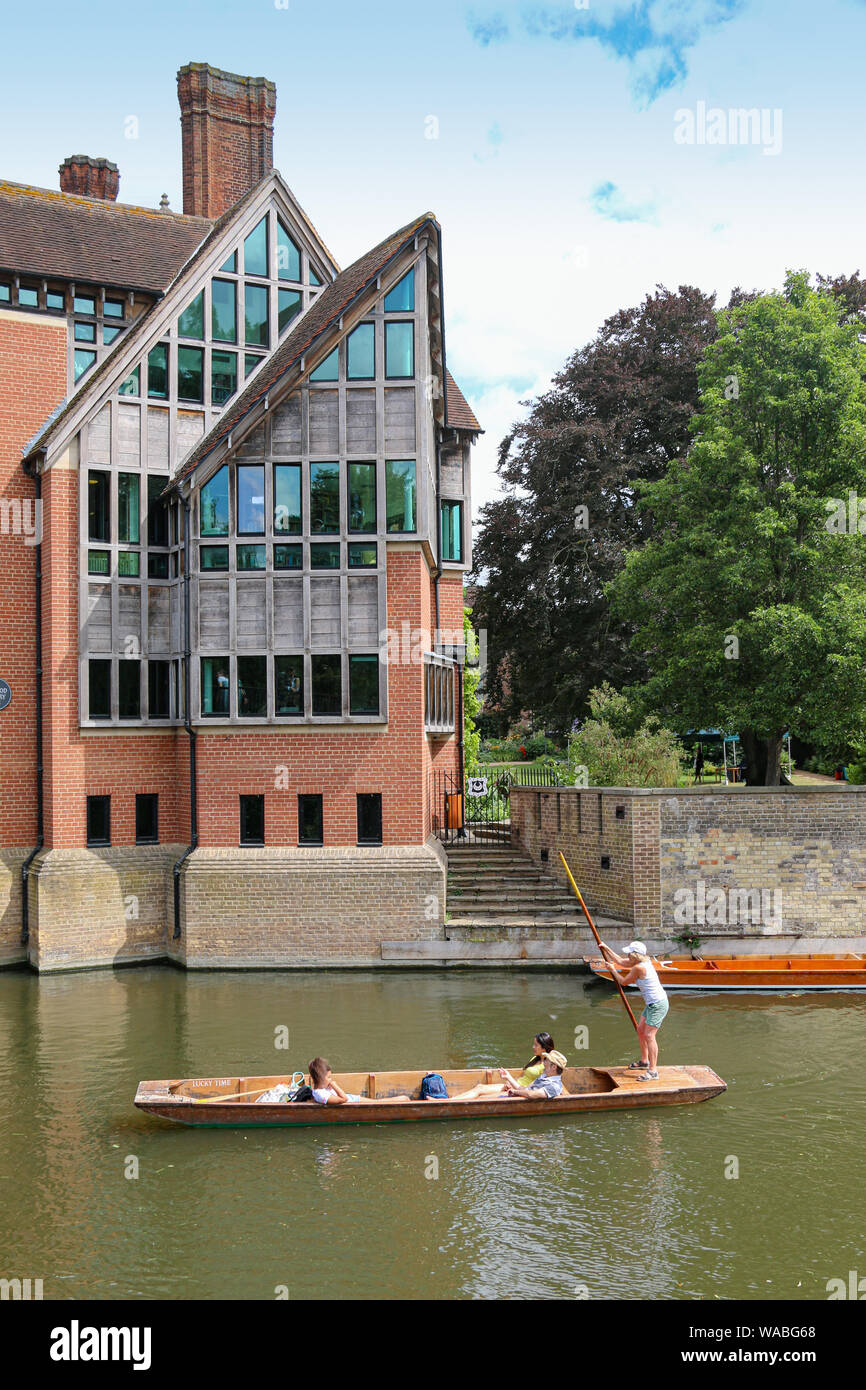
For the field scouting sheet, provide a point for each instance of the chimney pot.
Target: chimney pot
(227, 133)
(90, 178)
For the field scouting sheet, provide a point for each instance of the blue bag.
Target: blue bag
(433, 1086)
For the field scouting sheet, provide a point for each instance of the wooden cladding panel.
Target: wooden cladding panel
(213, 614)
(288, 612)
(400, 421)
(361, 422)
(324, 422)
(97, 632)
(325, 613)
(252, 615)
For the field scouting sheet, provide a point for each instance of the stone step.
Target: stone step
(492, 921)
(541, 951)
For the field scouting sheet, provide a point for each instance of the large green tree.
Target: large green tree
(620, 410)
(750, 598)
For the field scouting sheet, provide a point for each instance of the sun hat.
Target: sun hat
(636, 948)
(556, 1058)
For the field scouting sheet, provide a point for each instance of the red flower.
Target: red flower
(522, 751)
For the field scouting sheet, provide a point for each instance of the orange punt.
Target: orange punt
(795, 972)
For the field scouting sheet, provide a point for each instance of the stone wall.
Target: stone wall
(725, 865)
(11, 950)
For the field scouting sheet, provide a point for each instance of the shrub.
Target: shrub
(618, 754)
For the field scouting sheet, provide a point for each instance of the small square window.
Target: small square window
(325, 557)
(157, 565)
(252, 557)
(129, 564)
(252, 820)
(83, 304)
(28, 297)
(99, 562)
(214, 557)
(369, 818)
(364, 556)
(54, 299)
(147, 819)
(110, 332)
(288, 557)
(98, 820)
(85, 332)
(310, 820)
(113, 309)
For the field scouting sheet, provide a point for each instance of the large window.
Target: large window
(215, 504)
(215, 686)
(452, 531)
(289, 685)
(252, 829)
(369, 806)
(400, 495)
(287, 499)
(310, 820)
(98, 505)
(399, 349)
(98, 820)
(327, 674)
(363, 685)
(252, 686)
(146, 818)
(362, 497)
(251, 499)
(324, 498)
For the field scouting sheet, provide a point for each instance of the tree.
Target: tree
(614, 748)
(750, 600)
(471, 702)
(620, 410)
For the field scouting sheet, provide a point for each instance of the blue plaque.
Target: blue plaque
(5, 693)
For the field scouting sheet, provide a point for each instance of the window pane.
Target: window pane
(400, 495)
(82, 361)
(287, 499)
(256, 313)
(215, 685)
(325, 557)
(370, 818)
(289, 684)
(113, 309)
(363, 556)
(215, 505)
(364, 684)
(129, 689)
(157, 566)
(252, 557)
(128, 508)
(329, 370)
(128, 563)
(146, 823)
(289, 306)
(98, 562)
(310, 820)
(157, 512)
(288, 255)
(224, 376)
(99, 820)
(452, 531)
(314, 279)
(29, 298)
(224, 315)
(230, 266)
(252, 685)
(252, 830)
(5, 294)
(361, 353)
(158, 706)
(191, 322)
(399, 349)
(251, 499)
(109, 334)
(327, 684)
(54, 299)
(99, 682)
(324, 497)
(190, 373)
(132, 385)
(83, 304)
(362, 497)
(98, 505)
(214, 557)
(401, 299)
(288, 557)
(85, 332)
(256, 250)
(157, 372)
(251, 361)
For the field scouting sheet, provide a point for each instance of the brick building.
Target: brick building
(234, 523)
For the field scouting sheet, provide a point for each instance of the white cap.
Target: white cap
(637, 948)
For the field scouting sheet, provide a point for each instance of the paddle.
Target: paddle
(597, 937)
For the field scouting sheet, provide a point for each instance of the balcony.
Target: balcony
(439, 696)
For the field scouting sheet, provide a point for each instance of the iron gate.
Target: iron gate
(475, 808)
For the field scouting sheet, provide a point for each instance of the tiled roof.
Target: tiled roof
(43, 232)
(322, 315)
(460, 413)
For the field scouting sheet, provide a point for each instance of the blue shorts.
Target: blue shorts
(654, 1014)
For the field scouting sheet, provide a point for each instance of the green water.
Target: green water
(627, 1205)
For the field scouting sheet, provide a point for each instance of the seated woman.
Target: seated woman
(326, 1091)
(542, 1043)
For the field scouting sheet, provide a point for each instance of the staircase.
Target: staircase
(497, 888)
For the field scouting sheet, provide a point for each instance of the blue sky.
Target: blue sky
(561, 189)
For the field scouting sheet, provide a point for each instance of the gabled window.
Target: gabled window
(401, 299)
(157, 372)
(289, 305)
(191, 322)
(399, 350)
(256, 250)
(361, 353)
(224, 313)
(288, 256)
(214, 504)
(329, 370)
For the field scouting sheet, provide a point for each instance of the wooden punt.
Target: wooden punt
(798, 972)
(395, 1095)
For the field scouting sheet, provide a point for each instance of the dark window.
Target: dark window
(363, 685)
(157, 565)
(99, 505)
(147, 819)
(215, 685)
(99, 683)
(362, 497)
(252, 820)
(252, 557)
(158, 706)
(452, 531)
(327, 674)
(288, 557)
(128, 491)
(324, 498)
(325, 557)
(363, 556)
(157, 372)
(252, 686)
(287, 499)
(129, 689)
(256, 315)
(191, 322)
(99, 820)
(190, 374)
(289, 684)
(214, 557)
(223, 376)
(370, 818)
(310, 820)
(251, 499)
(288, 307)
(157, 512)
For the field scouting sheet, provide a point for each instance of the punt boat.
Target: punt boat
(395, 1095)
(752, 973)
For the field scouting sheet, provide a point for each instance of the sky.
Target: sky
(576, 153)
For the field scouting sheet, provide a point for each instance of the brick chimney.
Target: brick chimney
(91, 178)
(227, 132)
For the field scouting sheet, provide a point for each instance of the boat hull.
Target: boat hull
(753, 974)
(393, 1097)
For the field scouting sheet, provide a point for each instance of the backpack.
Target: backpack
(303, 1093)
(433, 1086)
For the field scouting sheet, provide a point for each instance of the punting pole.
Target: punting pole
(596, 935)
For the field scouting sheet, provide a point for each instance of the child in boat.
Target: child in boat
(541, 1043)
(324, 1087)
(640, 971)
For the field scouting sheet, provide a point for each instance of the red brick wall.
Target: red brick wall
(227, 135)
(32, 382)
